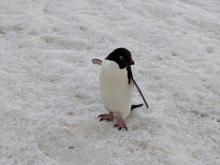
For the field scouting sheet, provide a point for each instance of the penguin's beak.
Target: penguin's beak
(132, 62)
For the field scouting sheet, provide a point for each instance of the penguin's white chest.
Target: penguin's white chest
(116, 93)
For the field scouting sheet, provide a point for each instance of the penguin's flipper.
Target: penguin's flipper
(135, 84)
(97, 61)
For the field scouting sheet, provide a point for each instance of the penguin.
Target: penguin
(116, 86)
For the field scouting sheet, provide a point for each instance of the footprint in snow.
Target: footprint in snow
(66, 43)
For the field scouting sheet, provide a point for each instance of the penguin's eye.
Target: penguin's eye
(121, 58)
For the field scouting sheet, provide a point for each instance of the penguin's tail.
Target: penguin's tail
(135, 106)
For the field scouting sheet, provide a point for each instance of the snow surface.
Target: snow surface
(50, 92)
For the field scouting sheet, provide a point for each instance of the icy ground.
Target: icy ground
(50, 92)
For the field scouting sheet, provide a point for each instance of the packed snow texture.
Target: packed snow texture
(50, 91)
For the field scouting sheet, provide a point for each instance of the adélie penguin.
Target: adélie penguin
(116, 86)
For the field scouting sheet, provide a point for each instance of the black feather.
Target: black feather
(135, 106)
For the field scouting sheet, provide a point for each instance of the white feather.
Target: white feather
(116, 93)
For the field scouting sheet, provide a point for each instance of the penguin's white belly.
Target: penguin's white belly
(116, 93)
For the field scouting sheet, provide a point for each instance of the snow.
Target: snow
(50, 92)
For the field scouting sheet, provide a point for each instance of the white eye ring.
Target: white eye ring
(121, 57)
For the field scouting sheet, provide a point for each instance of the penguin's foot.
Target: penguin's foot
(121, 124)
(108, 117)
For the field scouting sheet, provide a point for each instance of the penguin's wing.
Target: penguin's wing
(97, 61)
(139, 90)
(131, 79)
(130, 75)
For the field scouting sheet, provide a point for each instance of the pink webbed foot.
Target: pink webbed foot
(108, 117)
(120, 125)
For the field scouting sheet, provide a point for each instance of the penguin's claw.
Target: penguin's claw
(107, 117)
(120, 125)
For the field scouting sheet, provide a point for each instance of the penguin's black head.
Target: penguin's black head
(122, 57)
